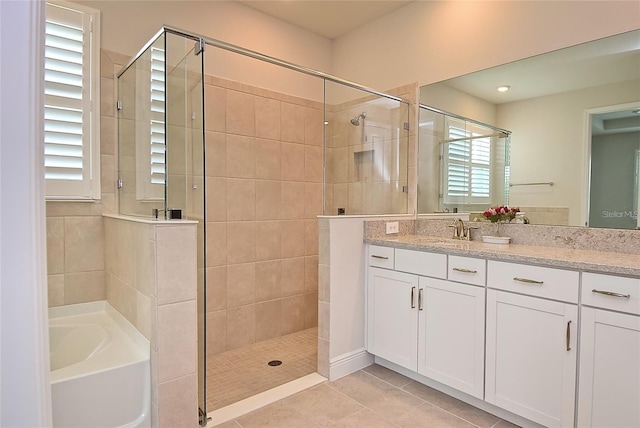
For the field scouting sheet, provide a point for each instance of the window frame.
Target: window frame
(89, 188)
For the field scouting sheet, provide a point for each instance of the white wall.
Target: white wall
(24, 344)
(128, 25)
(430, 41)
(549, 144)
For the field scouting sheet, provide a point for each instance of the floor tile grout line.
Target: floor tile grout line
(425, 401)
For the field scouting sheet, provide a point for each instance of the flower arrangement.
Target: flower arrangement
(501, 214)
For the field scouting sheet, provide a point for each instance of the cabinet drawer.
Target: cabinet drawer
(467, 269)
(611, 292)
(421, 263)
(381, 256)
(550, 283)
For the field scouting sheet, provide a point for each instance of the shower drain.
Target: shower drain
(274, 363)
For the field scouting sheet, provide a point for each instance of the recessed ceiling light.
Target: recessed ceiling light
(504, 88)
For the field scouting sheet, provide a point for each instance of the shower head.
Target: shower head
(356, 120)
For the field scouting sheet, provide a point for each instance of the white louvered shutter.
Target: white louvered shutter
(468, 167)
(68, 102)
(157, 128)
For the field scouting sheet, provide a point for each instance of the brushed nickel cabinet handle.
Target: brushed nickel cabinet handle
(527, 281)
(413, 290)
(379, 257)
(611, 293)
(465, 270)
(420, 299)
(568, 335)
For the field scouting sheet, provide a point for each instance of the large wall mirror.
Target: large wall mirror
(572, 118)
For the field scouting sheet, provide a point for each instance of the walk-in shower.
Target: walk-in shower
(253, 149)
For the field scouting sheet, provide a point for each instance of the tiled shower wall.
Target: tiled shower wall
(264, 191)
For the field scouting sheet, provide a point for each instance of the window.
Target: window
(468, 166)
(71, 111)
(157, 161)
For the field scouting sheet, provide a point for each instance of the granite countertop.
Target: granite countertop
(567, 258)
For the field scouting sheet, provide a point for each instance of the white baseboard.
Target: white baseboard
(349, 363)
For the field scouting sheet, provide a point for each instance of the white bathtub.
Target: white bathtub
(100, 370)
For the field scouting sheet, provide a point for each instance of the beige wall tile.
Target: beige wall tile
(241, 242)
(292, 200)
(215, 102)
(216, 332)
(216, 288)
(293, 276)
(340, 165)
(55, 290)
(81, 287)
(268, 319)
(108, 173)
(241, 284)
(83, 244)
(323, 358)
(178, 402)
(240, 326)
(323, 246)
(176, 340)
(292, 164)
(216, 199)
(313, 124)
(292, 119)
(323, 320)
(67, 209)
(292, 238)
(313, 164)
(267, 118)
(176, 263)
(241, 156)
(216, 244)
(311, 273)
(55, 245)
(268, 159)
(108, 136)
(240, 113)
(216, 154)
(311, 310)
(268, 200)
(268, 280)
(268, 240)
(293, 314)
(312, 200)
(107, 103)
(311, 237)
(241, 199)
(143, 315)
(323, 283)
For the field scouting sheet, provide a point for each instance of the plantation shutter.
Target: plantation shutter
(158, 138)
(67, 110)
(468, 166)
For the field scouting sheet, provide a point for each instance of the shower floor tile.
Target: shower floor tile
(241, 373)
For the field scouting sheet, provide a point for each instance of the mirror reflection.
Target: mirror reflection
(574, 119)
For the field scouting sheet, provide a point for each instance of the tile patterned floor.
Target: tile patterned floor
(241, 373)
(373, 398)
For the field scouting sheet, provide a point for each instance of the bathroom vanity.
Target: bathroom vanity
(549, 334)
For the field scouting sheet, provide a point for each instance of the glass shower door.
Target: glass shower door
(185, 163)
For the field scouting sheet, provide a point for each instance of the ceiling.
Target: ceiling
(327, 18)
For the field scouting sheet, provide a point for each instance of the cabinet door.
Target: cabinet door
(609, 393)
(451, 335)
(531, 357)
(392, 316)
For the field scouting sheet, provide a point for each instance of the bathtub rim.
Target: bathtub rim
(102, 306)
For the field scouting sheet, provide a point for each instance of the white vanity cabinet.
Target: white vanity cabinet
(609, 391)
(424, 323)
(531, 342)
(392, 312)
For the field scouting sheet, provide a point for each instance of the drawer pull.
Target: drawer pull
(413, 290)
(610, 293)
(527, 281)
(465, 270)
(420, 299)
(568, 335)
(379, 257)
